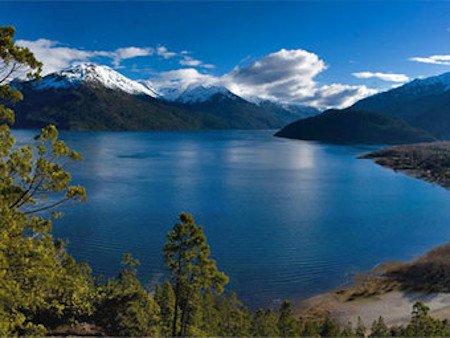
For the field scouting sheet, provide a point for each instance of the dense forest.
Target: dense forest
(45, 291)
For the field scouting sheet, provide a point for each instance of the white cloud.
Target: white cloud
(183, 78)
(191, 62)
(165, 53)
(337, 95)
(121, 54)
(287, 75)
(56, 57)
(389, 77)
(283, 75)
(433, 59)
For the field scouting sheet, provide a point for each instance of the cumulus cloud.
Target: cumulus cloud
(286, 75)
(389, 77)
(433, 59)
(283, 75)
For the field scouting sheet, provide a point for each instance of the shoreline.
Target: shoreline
(429, 162)
(391, 288)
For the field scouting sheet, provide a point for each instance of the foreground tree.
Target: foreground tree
(125, 308)
(423, 325)
(379, 328)
(265, 324)
(193, 272)
(288, 325)
(40, 285)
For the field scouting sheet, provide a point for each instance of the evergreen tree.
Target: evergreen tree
(347, 331)
(193, 272)
(423, 325)
(288, 326)
(309, 328)
(165, 297)
(265, 324)
(379, 328)
(125, 308)
(330, 328)
(360, 330)
(236, 319)
(40, 284)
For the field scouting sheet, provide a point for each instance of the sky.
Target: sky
(318, 53)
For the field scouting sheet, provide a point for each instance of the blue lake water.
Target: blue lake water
(284, 218)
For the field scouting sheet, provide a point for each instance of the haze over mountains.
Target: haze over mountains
(94, 97)
(417, 111)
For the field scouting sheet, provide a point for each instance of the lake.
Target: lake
(284, 218)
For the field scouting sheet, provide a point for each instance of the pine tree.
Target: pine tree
(125, 308)
(288, 326)
(265, 324)
(379, 328)
(422, 324)
(165, 297)
(40, 284)
(186, 255)
(360, 330)
(347, 331)
(329, 328)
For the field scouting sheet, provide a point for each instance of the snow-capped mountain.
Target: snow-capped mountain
(194, 94)
(90, 73)
(93, 97)
(424, 103)
(290, 107)
(437, 83)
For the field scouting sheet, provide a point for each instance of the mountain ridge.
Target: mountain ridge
(93, 97)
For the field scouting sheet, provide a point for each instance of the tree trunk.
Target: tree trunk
(175, 315)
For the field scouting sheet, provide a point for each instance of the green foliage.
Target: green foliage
(124, 307)
(360, 330)
(330, 328)
(347, 331)
(423, 325)
(288, 325)
(264, 324)
(40, 284)
(186, 254)
(165, 298)
(379, 328)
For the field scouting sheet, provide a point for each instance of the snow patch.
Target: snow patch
(96, 74)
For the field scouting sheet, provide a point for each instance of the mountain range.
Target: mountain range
(414, 112)
(94, 97)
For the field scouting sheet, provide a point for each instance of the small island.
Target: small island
(427, 161)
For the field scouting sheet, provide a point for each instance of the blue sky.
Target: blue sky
(213, 38)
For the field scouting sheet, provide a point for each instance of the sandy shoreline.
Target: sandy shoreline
(421, 161)
(395, 307)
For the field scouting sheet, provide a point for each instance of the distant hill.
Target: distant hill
(354, 127)
(93, 97)
(423, 103)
